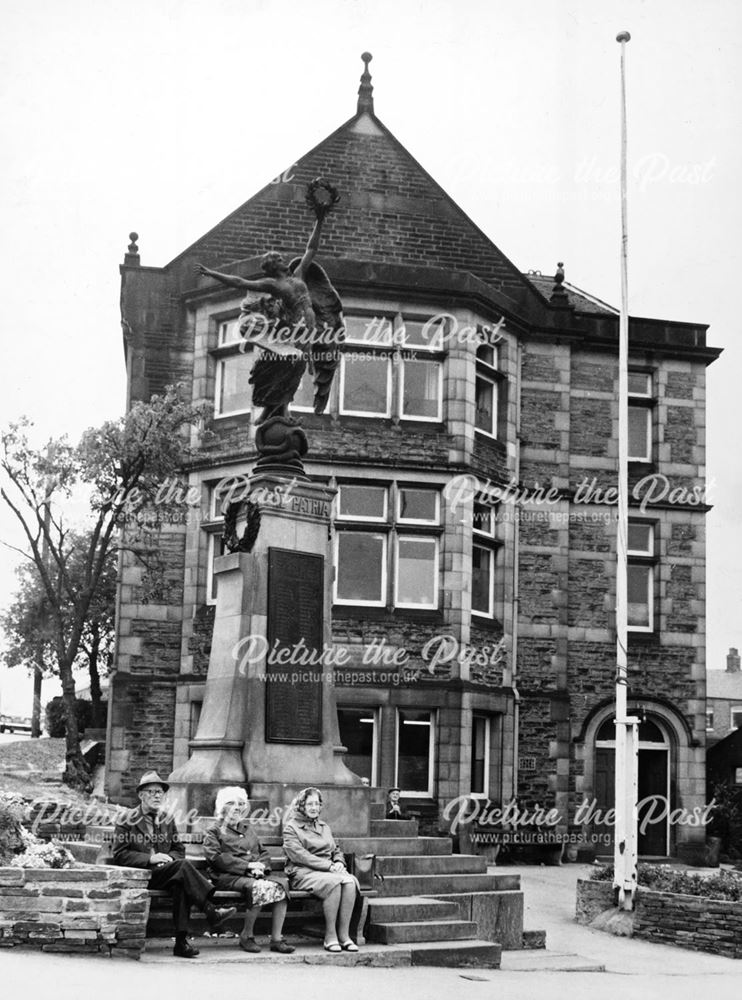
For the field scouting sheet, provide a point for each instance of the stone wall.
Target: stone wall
(695, 922)
(90, 909)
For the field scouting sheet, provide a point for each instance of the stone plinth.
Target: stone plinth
(269, 718)
(91, 908)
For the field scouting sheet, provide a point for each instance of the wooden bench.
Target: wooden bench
(222, 897)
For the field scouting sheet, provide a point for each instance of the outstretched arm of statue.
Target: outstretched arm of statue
(234, 280)
(312, 247)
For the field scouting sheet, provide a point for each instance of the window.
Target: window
(640, 417)
(484, 521)
(373, 549)
(389, 377)
(640, 576)
(415, 752)
(486, 395)
(233, 391)
(709, 719)
(358, 727)
(480, 752)
(736, 720)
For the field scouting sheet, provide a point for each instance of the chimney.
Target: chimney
(732, 661)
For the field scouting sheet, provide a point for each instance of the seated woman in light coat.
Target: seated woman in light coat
(238, 863)
(315, 864)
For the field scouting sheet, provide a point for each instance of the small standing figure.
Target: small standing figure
(393, 806)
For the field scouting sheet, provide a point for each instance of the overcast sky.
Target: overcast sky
(163, 117)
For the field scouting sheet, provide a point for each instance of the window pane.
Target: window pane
(365, 385)
(235, 391)
(362, 501)
(428, 334)
(418, 505)
(416, 571)
(640, 384)
(361, 567)
(640, 538)
(483, 518)
(485, 401)
(488, 355)
(421, 395)
(413, 751)
(478, 752)
(229, 332)
(640, 594)
(368, 330)
(481, 580)
(357, 735)
(216, 549)
(639, 417)
(304, 397)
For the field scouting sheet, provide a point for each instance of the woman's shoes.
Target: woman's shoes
(282, 948)
(349, 946)
(333, 947)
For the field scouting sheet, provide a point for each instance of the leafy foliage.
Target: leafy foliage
(665, 878)
(726, 818)
(56, 716)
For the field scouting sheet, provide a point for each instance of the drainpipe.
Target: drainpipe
(516, 563)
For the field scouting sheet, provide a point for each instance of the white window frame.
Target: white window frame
(373, 414)
(492, 433)
(642, 557)
(384, 588)
(487, 719)
(428, 539)
(373, 713)
(403, 362)
(432, 347)
(647, 395)
(382, 519)
(493, 519)
(224, 327)
(491, 555)
(221, 360)
(418, 520)
(735, 710)
(214, 537)
(376, 341)
(709, 719)
(431, 751)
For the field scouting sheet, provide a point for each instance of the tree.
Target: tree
(27, 623)
(122, 464)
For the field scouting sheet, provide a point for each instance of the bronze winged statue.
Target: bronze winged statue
(297, 321)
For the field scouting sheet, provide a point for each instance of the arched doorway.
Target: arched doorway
(653, 780)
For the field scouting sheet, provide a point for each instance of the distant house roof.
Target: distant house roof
(724, 684)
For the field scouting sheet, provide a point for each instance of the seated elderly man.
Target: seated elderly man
(239, 863)
(149, 839)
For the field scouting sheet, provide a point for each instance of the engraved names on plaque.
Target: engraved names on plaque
(293, 700)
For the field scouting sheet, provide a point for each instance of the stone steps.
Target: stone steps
(457, 954)
(388, 846)
(393, 828)
(397, 909)
(436, 885)
(423, 930)
(426, 864)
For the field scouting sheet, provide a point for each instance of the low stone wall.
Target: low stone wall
(592, 899)
(695, 922)
(90, 909)
(712, 925)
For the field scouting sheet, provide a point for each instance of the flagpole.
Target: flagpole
(625, 839)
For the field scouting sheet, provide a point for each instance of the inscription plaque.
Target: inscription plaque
(293, 700)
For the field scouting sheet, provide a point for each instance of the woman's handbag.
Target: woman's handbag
(364, 867)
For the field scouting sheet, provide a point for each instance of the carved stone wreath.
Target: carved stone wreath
(322, 204)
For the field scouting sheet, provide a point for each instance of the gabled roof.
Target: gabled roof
(391, 210)
(582, 301)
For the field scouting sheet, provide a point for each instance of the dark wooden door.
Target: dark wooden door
(653, 782)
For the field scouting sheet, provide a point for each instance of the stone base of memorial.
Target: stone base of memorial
(695, 922)
(90, 909)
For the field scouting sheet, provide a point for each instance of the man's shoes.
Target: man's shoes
(183, 949)
(282, 948)
(215, 918)
(250, 944)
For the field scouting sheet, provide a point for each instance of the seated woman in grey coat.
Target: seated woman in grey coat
(315, 864)
(238, 863)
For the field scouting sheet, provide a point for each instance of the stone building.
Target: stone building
(724, 699)
(471, 436)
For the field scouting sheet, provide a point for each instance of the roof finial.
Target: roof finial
(559, 295)
(366, 91)
(131, 257)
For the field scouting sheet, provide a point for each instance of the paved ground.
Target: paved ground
(634, 969)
